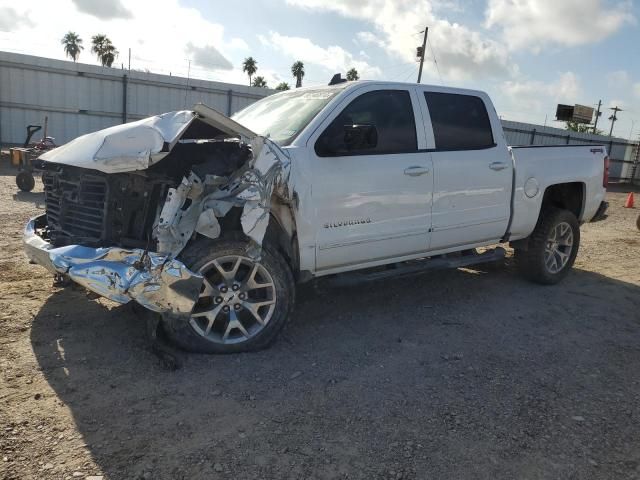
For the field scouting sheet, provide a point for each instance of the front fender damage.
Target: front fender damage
(197, 203)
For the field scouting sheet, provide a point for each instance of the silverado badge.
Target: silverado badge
(346, 223)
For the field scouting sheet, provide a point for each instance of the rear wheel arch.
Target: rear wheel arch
(565, 196)
(568, 196)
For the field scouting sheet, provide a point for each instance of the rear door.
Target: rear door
(472, 170)
(371, 203)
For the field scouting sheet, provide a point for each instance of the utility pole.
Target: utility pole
(129, 59)
(421, 52)
(598, 113)
(613, 118)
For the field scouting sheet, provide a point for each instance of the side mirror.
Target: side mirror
(360, 137)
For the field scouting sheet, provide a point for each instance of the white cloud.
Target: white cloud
(536, 23)
(369, 38)
(208, 57)
(11, 20)
(103, 9)
(523, 100)
(162, 34)
(462, 53)
(636, 89)
(333, 58)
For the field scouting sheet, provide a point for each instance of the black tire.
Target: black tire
(25, 181)
(201, 252)
(638, 222)
(531, 262)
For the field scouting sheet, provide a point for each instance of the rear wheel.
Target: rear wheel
(25, 181)
(243, 304)
(552, 247)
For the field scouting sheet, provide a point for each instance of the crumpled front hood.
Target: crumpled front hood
(138, 145)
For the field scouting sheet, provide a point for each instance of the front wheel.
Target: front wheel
(243, 304)
(552, 247)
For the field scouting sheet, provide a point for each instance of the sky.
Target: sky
(529, 55)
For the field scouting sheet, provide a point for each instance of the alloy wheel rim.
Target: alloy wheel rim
(558, 247)
(236, 302)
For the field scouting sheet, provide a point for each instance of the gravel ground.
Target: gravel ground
(472, 373)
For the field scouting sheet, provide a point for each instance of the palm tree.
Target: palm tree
(259, 82)
(352, 75)
(250, 67)
(104, 49)
(282, 86)
(297, 70)
(72, 45)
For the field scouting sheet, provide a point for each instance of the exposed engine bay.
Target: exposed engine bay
(122, 203)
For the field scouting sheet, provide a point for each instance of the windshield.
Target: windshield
(283, 116)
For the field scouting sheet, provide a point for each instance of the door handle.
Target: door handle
(415, 171)
(498, 166)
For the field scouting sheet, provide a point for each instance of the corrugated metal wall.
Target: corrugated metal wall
(79, 98)
(621, 151)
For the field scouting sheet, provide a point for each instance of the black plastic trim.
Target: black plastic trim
(553, 146)
(466, 149)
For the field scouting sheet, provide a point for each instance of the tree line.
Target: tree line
(250, 67)
(106, 53)
(101, 46)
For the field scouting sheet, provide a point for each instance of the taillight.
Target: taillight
(605, 174)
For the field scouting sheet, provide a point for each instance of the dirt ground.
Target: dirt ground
(454, 374)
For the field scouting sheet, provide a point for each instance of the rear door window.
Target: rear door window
(460, 122)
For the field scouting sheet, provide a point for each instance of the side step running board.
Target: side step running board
(471, 257)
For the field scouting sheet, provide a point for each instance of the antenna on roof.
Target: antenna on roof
(336, 79)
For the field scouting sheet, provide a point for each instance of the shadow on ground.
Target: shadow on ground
(459, 374)
(33, 197)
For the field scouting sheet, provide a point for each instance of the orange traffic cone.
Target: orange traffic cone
(629, 202)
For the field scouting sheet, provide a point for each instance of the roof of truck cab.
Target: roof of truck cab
(350, 85)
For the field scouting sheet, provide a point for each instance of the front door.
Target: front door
(371, 183)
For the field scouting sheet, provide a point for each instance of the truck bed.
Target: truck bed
(538, 167)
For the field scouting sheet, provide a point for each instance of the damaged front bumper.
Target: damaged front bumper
(157, 282)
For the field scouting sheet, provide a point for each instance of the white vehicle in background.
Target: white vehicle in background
(211, 221)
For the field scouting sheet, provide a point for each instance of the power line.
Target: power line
(433, 53)
(396, 66)
(411, 74)
(403, 74)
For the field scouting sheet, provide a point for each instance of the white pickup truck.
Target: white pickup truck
(211, 221)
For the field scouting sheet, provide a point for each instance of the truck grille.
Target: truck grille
(76, 207)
